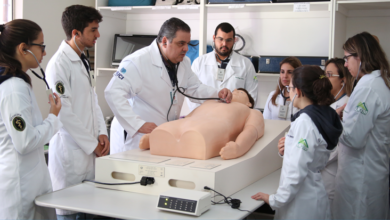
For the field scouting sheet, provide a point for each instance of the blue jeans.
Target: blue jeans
(77, 216)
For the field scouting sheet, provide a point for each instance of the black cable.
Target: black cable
(234, 203)
(93, 181)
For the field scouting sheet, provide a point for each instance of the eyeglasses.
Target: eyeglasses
(41, 45)
(330, 75)
(288, 88)
(220, 39)
(346, 57)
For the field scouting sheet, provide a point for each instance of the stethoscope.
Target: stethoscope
(176, 83)
(282, 92)
(87, 60)
(43, 77)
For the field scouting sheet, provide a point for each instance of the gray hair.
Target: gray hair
(170, 27)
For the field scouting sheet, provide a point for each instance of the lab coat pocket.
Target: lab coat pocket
(29, 162)
(81, 161)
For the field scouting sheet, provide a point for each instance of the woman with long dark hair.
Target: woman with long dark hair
(314, 133)
(23, 133)
(279, 99)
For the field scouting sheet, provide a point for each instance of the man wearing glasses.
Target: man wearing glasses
(224, 68)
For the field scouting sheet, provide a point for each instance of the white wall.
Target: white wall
(47, 14)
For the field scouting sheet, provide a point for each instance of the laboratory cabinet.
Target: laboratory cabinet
(272, 29)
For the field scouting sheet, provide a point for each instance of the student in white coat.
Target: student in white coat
(224, 68)
(278, 101)
(23, 133)
(314, 132)
(148, 78)
(72, 150)
(362, 180)
(342, 83)
(277, 106)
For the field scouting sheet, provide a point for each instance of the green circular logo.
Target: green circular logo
(19, 123)
(60, 88)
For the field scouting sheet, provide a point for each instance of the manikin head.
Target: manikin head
(81, 24)
(173, 39)
(242, 96)
(224, 38)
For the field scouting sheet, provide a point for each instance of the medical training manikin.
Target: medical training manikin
(212, 129)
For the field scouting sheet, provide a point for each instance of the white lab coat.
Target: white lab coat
(271, 111)
(239, 73)
(301, 193)
(23, 171)
(117, 138)
(71, 152)
(142, 77)
(362, 180)
(330, 170)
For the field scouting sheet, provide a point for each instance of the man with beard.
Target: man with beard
(149, 79)
(224, 68)
(84, 135)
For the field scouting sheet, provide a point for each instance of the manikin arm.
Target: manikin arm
(253, 130)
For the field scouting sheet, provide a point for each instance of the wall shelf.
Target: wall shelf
(365, 5)
(265, 7)
(268, 28)
(174, 9)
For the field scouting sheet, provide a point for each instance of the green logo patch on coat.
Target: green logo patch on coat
(19, 123)
(362, 108)
(60, 88)
(303, 144)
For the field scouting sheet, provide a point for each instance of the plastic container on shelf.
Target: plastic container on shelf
(131, 2)
(238, 1)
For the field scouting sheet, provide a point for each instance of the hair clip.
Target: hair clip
(322, 76)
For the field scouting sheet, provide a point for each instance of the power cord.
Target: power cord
(234, 203)
(144, 181)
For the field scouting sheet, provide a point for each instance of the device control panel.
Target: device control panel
(179, 204)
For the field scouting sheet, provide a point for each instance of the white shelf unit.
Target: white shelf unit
(351, 17)
(268, 28)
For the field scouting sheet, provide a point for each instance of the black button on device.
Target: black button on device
(178, 204)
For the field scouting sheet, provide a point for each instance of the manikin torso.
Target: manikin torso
(209, 128)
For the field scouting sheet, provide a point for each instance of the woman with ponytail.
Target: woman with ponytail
(23, 133)
(314, 133)
(362, 179)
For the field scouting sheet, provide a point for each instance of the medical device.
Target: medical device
(128, 44)
(225, 176)
(185, 201)
(43, 77)
(175, 82)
